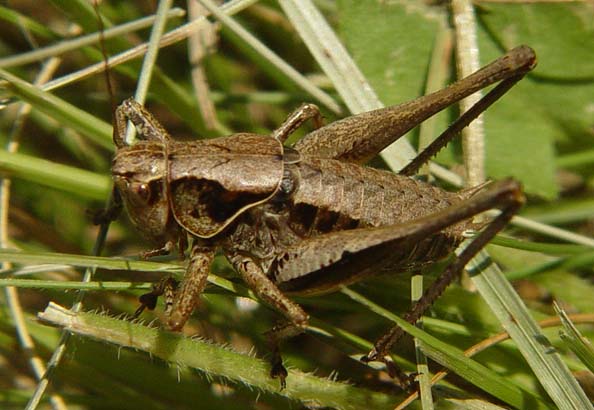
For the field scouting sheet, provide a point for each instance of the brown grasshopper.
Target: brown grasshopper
(308, 219)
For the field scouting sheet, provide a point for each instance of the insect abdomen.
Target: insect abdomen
(333, 195)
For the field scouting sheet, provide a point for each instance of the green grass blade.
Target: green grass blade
(510, 310)
(574, 339)
(85, 261)
(65, 113)
(15, 18)
(215, 360)
(454, 359)
(110, 286)
(84, 184)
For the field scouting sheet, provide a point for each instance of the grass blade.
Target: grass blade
(214, 360)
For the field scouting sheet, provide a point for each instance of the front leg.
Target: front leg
(255, 278)
(163, 250)
(186, 299)
(147, 126)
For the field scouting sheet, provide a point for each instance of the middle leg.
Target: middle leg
(268, 291)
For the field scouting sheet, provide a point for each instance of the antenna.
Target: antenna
(106, 71)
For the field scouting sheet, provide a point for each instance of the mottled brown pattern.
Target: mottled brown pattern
(144, 188)
(311, 218)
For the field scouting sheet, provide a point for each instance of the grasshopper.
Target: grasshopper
(308, 219)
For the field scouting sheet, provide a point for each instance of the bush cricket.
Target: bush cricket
(307, 219)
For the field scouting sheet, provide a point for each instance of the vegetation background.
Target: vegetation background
(57, 167)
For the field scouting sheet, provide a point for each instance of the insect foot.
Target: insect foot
(165, 287)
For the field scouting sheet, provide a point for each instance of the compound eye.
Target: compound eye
(143, 193)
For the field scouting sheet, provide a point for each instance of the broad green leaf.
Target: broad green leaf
(550, 105)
